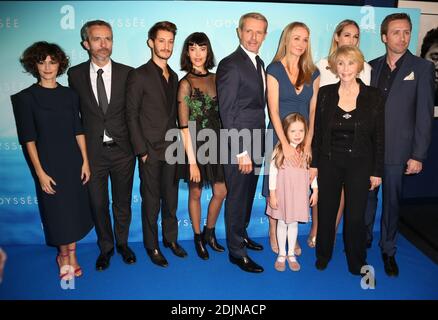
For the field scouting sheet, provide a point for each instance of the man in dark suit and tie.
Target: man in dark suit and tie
(407, 83)
(241, 84)
(151, 112)
(101, 84)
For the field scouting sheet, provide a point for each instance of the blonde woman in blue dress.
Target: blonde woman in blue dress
(292, 86)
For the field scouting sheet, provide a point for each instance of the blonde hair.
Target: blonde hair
(287, 121)
(305, 63)
(253, 15)
(339, 28)
(350, 52)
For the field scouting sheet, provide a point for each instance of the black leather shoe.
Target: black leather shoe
(127, 254)
(103, 261)
(176, 249)
(320, 265)
(252, 245)
(246, 264)
(157, 257)
(390, 264)
(209, 237)
(201, 250)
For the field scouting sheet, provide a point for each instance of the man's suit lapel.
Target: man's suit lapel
(114, 87)
(405, 69)
(87, 81)
(248, 63)
(252, 69)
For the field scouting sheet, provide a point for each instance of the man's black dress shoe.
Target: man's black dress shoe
(103, 261)
(176, 249)
(127, 254)
(246, 264)
(252, 245)
(157, 257)
(390, 264)
(320, 265)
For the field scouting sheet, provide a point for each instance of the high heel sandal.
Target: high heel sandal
(311, 241)
(78, 269)
(66, 275)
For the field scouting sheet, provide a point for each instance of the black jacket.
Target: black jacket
(148, 113)
(93, 118)
(369, 131)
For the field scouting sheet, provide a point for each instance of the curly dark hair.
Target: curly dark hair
(38, 52)
(429, 39)
(201, 39)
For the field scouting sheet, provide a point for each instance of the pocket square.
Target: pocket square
(410, 76)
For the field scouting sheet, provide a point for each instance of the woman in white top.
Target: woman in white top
(347, 32)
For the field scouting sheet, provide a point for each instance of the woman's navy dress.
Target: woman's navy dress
(50, 117)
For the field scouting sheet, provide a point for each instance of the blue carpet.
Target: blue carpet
(31, 273)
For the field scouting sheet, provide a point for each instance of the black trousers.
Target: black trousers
(238, 206)
(354, 174)
(392, 190)
(159, 189)
(116, 164)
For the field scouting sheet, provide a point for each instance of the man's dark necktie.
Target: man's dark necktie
(101, 93)
(260, 74)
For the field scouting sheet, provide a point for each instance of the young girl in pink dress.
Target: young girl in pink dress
(289, 191)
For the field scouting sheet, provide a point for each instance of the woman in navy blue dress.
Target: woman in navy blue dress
(292, 86)
(50, 131)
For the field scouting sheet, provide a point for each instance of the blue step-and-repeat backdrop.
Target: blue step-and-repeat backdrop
(22, 23)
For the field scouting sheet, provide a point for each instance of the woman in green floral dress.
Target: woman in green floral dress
(197, 110)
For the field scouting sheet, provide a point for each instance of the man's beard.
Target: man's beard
(160, 54)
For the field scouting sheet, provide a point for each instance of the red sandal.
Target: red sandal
(62, 274)
(78, 269)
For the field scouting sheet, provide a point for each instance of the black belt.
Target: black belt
(109, 144)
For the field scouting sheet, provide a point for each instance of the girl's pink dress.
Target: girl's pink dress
(292, 192)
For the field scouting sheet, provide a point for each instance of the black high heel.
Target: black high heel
(209, 237)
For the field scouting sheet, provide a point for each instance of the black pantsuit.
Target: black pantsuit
(334, 173)
(346, 153)
(159, 190)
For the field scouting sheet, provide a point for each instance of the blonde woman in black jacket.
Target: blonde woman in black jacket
(347, 149)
